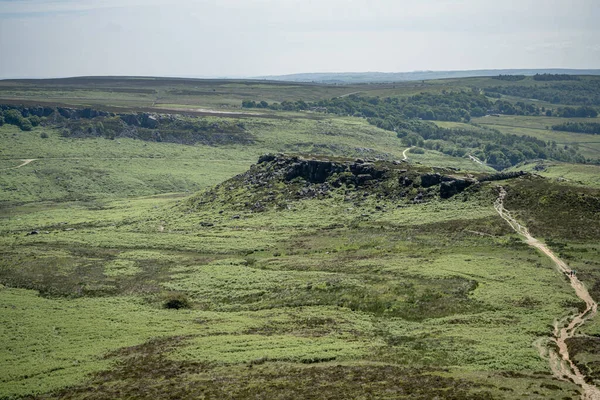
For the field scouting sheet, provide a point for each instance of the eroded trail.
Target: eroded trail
(475, 159)
(25, 162)
(561, 364)
(404, 153)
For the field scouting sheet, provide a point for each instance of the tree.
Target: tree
(13, 117)
(25, 125)
(35, 120)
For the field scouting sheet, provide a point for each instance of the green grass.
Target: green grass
(355, 295)
(574, 174)
(418, 286)
(68, 169)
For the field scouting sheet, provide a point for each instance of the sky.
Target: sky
(231, 38)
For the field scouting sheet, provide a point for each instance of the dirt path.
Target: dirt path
(477, 160)
(25, 162)
(405, 157)
(561, 364)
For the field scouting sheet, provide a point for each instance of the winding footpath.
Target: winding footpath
(560, 363)
(404, 153)
(25, 162)
(475, 159)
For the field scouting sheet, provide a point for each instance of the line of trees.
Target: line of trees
(591, 128)
(579, 112)
(445, 106)
(577, 92)
(509, 78)
(497, 149)
(555, 77)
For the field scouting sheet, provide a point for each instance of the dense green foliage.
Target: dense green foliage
(593, 128)
(445, 106)
(579, 112)
(172, 129)
(585, 92)
(402, 115)
(14, 117)
(509, 78)
(497, 149)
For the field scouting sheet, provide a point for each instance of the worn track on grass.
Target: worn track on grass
(405, 157)
(25, 162)
(475, 159)
(561, 364)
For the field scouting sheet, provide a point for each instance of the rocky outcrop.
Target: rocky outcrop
(500, 176)
(37, 111)
(313, 171)
(130, 119)
(451, 187)
(428, 180)
(359, 168)
(143, 120)
(87, 113)
(358, 173)
(149, 121)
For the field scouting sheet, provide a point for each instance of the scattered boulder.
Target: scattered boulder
(32, 233)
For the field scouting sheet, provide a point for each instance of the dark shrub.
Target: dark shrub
(176, 301)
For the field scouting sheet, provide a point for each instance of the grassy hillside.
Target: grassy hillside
(368, 267)
(438, 292)
(96, 168)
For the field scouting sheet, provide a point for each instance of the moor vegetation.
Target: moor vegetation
(316, 246)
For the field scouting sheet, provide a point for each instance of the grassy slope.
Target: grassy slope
(92, 169)
(280, 303)
(365, 298)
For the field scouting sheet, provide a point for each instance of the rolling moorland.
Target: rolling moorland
(177, 238)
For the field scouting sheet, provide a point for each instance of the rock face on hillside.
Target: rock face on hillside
(449, 188)
(278, 179)
(313, 171)
(319, 171)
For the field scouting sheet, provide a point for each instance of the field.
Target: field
(146, 269)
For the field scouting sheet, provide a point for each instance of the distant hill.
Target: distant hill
(367, 77)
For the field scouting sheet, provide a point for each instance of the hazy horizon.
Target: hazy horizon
(202, 39)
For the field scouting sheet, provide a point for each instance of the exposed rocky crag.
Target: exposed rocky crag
(278, 179)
